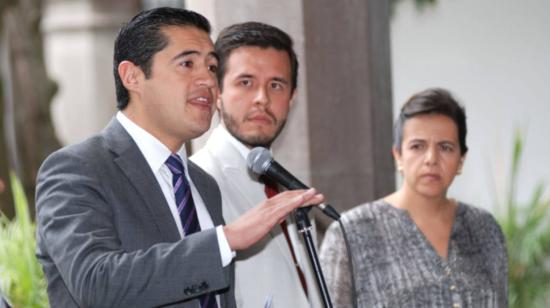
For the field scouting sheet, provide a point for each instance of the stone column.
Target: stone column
(348, 70)
(79, 37)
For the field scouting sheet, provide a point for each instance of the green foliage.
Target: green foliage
(21, 277)
(527, 231)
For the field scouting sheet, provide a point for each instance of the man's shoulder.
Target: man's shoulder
(89, 154)
(88, 148)
(204, 159)
(94, 148)
(215, 156)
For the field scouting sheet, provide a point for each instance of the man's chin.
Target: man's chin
(256, 140)
(199, 130)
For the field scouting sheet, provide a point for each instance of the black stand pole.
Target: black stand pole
(304, 227)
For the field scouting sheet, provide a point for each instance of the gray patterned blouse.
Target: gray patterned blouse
(396, 266)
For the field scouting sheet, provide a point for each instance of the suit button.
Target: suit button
(187, 291)
(195, 288)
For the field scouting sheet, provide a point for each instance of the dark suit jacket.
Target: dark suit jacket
(106, 237)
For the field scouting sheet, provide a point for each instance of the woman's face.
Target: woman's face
(430, 154)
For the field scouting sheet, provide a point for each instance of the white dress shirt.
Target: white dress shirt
(243, 149)
(156, 154)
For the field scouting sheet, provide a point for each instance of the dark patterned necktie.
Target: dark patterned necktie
(271, 190)
(187, 211)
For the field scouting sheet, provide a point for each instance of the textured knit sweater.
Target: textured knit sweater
(396, 266)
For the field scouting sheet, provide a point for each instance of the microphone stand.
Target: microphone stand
(304, 227)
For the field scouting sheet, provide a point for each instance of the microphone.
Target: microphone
(260, 161)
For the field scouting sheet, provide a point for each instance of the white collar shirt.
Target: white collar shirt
(156, 154)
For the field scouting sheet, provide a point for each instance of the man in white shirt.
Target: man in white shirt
(257, 77)
(123, 218)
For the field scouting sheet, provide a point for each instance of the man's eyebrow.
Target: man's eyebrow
(417, 140)
(245, 75)
(447, 142)
(281, 80)
(194, 52)
(214, 55)
(277, 79)
(185, 53)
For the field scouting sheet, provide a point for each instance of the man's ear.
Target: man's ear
(462, 159)
(292, 97)
(219, 102)
(131, 75)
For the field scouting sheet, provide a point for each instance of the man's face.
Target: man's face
(256, 94)
(177, 100)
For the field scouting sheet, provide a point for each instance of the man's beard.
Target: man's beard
(232, 125)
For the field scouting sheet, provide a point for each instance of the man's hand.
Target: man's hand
(257, 222)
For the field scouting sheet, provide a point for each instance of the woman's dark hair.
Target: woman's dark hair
(141, 38)
(432, 101)
(254, 34)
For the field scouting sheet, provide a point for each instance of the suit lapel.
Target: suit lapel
(133, 165)
(208, 190)
(241, 181)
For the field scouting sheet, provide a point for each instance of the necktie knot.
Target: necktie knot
(175, 164)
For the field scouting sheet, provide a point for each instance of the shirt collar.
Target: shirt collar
(243, 149)
(154, 151)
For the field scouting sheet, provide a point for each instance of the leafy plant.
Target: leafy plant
(21, 277)
(527, 231)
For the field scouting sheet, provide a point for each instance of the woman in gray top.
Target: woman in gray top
(417, 247)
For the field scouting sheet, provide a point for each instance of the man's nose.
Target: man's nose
(262, 96)
(207, 78)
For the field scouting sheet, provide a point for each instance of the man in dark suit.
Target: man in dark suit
(124, 219)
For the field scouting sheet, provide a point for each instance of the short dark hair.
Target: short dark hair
(432, 101)
(141, 38)
(255, 34)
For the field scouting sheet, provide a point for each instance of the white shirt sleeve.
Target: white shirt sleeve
(225, 251)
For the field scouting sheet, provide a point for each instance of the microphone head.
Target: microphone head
(258, 160)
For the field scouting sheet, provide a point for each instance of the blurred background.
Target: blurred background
(359, 62)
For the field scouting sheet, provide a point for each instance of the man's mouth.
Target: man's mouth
(203, 100)
(260, 118)
(263, 117)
